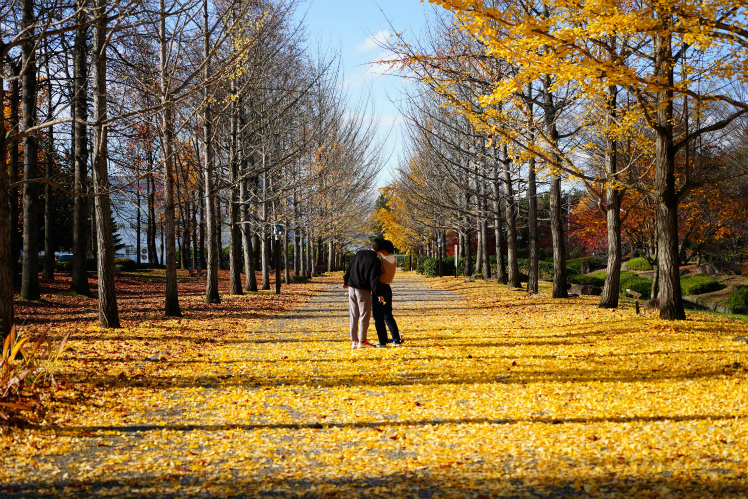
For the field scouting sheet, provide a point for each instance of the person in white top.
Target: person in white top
(382, 303)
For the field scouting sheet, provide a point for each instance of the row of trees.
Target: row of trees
(208, 117)
(643, 106)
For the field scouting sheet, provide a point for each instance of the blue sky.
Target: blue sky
(350, 26)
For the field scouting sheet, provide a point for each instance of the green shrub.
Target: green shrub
(448, 266)
(739, 301)
(419, 266)
(299, 278)
(630, 280)
(126, 265)
(574, 266)
(698, 284)
(430, 267)
(640, 264)
(478, 276)
(586, 279)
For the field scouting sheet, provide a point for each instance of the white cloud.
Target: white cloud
(372, 42)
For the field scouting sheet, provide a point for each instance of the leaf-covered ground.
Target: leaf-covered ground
(495, 394)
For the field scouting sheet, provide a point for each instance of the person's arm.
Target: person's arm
(374, 273)
(347, 274)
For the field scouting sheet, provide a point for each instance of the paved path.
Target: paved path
(250, 404)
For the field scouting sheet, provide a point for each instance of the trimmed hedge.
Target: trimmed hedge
(698, 284)
(574, 266)
(739, 301)
(586, 279)
(631, 280)
(431, 266)
(639, 263)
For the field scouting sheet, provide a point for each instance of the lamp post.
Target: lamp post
(439, 245)
(278, 234)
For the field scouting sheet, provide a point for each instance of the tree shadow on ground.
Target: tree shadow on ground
(454, 480)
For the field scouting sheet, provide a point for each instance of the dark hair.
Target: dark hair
(389, 246)
(378, 244)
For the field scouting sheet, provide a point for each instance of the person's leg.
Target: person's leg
(377, 312)
(354, 313)
(388, 317)
(364, 307)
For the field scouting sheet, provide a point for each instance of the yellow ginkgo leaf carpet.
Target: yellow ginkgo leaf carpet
(494, 394)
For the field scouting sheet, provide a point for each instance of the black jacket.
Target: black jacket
(364, 271)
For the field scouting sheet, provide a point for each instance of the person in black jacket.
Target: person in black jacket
(361, 281)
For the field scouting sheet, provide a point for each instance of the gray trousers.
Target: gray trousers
(359, 305)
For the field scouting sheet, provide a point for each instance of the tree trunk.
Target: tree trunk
(151, 229)
(235, 234)
(168, 232)
(532, 222)
(330, 255)
(108, 314)
(265, 255)
(478, 246)
(79, 105)
(670, 297)
(510, 212)
(49, 246)
(556, 215)
(468, 271)
(30, 279)
(211, 285)
(15, 226)
(501, 276)
(6, 268)
(286, 272)
(611, 289)
(249, 254)
(532, 208)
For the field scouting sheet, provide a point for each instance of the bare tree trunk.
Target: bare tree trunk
(532, 222)
(556, 215)
(6, 268)
(212, 229)
(670, 296)
(479, 245)
(15, 226)
(108, 314)
(510, 212)
(264, 235)
(49, 247)
(151, 230)
(468, 271)
(330, 255)
(168, 232)
(235, 234)
(30, 278)
(532, 208)
(611, 289)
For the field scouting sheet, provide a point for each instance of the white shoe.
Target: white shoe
(355, 344)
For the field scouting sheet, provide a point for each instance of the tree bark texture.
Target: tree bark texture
(211, 285)
(6, 267)
(611, 289)
(15, 104)
(510, 212)
(108, 314)
(79, 276)
(168, 232)
(556, 215)
(30, 273)
(670, 297)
